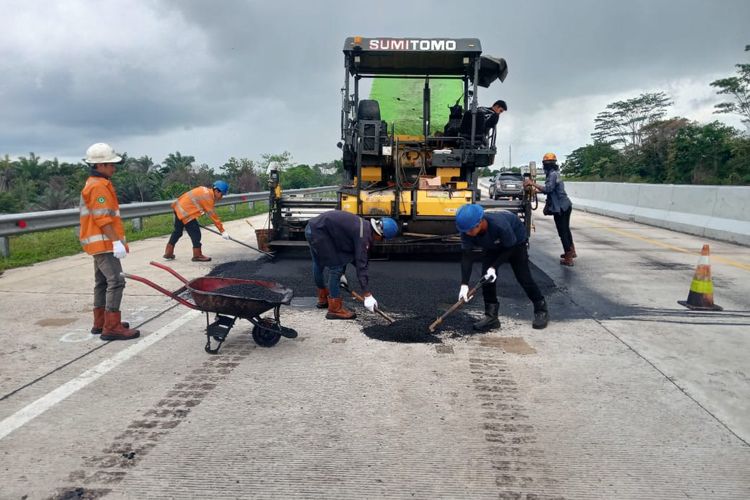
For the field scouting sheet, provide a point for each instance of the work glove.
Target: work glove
(463, 293)
(226, 236)
(118, 249)
(490, 276)
(370, 303)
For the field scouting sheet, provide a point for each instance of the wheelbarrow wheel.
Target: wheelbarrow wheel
(269, 335)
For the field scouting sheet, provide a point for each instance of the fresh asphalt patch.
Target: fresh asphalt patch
(414, 293)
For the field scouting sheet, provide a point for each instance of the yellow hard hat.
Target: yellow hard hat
(549, 157)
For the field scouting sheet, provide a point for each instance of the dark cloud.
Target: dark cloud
(242, 78)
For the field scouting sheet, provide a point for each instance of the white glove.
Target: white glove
(463, 293)
(490, 275)
(371, 303)
(226, 236)
(118, 249)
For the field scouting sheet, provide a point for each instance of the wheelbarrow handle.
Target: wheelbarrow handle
(455, 306)
(166, 292)
(170, 271)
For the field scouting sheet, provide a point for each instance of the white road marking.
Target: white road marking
(33, 410)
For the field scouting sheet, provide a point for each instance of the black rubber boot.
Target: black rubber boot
(541, 316)
(490, 321)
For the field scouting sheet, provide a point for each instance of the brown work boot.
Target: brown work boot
(322, 298)
(114, 329)
(570, 253)
(199, 257)
(567, 260)
(99, 321)
(169, 252)
(336, 310)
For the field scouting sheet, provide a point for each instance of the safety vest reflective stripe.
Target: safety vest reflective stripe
(96, 237)
(99, 211)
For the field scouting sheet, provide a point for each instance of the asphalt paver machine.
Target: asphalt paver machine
(420, 179)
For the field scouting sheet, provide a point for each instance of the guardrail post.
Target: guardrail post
(251, 206)
(137, 224)
(233, 208)
(5, 246)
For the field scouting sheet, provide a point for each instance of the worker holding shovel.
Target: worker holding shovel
(502, 237)
(187, 209)
(336, 239)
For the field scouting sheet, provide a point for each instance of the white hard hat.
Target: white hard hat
(101, 153)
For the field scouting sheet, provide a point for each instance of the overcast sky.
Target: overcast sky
(216, 79)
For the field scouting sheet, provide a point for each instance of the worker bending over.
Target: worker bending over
(103, 237)
(187, 209)
(336, 239)
(502, 237)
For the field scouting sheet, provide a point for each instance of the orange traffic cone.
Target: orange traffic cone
(701, 294)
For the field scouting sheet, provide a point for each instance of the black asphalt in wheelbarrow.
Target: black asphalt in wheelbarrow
(229, 299)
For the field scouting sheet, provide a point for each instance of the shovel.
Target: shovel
(237, 241)
(455, 306)
(344, 283)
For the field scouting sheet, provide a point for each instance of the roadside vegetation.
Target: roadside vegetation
(635, 141)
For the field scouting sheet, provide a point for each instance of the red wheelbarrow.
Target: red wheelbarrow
(207, 297)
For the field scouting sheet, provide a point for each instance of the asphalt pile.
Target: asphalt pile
(250, 291)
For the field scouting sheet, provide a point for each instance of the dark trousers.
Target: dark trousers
(334, 272)
(192, 228)
(562, 223)
(518, 257)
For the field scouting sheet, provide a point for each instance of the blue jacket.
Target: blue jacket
(504, 230)
(555, 191)
(339, 238)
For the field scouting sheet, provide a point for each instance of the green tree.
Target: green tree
(622, 122)
(739, 88)
(592, 161)
(298, 177)
(698, 153)
(56, 195)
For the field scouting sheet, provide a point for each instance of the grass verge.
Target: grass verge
(36, 247)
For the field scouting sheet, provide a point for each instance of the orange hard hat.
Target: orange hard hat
(549, 157)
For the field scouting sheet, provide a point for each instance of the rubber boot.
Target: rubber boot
(99, 321)
(169, 252)
(336, 310)
(541, 316)
(199, 257)
(322, 298)
(490, 321)
(115, 330)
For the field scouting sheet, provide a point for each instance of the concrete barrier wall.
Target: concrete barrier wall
(719, 212)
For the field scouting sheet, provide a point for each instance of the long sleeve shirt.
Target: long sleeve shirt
(504, 231)
(339, 238)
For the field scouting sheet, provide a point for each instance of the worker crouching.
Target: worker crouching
(103, 237)
(502, 237)
(336, 239)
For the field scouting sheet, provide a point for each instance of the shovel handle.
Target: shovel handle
(455, 306)
(239, 242)
(361, 299)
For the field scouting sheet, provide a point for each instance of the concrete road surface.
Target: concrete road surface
(625, 395)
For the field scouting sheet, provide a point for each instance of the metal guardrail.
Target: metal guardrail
(29, 222)
(10, 224)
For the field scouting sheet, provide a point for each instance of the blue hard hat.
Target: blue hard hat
(468, 216)
(222, 186)
(390, 228)
(385, 227)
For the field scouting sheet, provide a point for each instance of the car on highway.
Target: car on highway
(506, 185)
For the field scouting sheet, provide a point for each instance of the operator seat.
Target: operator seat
(486, 121)
(372, 130)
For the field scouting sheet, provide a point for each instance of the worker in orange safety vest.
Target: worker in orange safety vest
(187, 209)
(103, 236)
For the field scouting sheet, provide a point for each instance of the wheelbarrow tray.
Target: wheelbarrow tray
(203, 292)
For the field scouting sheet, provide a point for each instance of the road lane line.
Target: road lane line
(33, 410)
(717, 258)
